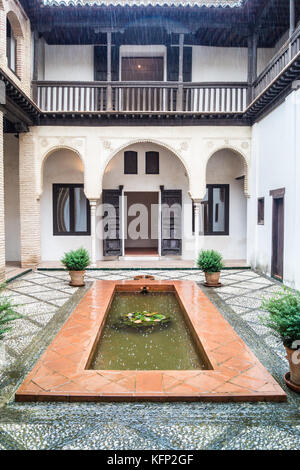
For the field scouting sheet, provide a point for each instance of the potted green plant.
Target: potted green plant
(284, 321)
(76, 261)
(210, 261)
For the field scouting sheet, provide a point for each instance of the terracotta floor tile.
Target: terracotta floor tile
(96, 382)
(257, 372)
(129, 383)
(249, 382)
(204, 383)
(59, 365)
(169, 382)
(148, 382)
(50, 381)
(231, 388)
(184, 389)
(238, 364)
(71, 387)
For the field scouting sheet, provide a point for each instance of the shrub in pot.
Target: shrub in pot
(210, 261)
(76, 262)
(284, 321)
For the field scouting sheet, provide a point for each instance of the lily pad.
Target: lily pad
(141, 320)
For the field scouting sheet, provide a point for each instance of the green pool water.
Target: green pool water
(162, 347)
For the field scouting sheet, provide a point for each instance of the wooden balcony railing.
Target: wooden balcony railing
(289, 51)
(142, 97)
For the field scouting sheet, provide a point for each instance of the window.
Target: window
(261, 211)
(11, 47)
(152, 163)
(130, 163)
(215, 207)
(71, 210)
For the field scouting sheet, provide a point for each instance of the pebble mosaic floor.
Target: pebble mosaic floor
(45, 300)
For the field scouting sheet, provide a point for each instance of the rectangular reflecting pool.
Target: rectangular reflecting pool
(167, 346)
(191, 354)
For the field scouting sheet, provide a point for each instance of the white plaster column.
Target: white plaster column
(199, 228)
(197, 212)
(93, 206)
(29, 201)
(2, 217)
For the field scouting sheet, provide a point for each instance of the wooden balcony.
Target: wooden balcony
(140, 97)
(205, 100)
(284, 58)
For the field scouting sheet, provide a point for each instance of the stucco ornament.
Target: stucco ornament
(107, 145)
(44, 142)
(183, 146)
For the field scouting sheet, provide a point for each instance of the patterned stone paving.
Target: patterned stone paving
(45, 301)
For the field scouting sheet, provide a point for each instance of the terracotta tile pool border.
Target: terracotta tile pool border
(234, 373)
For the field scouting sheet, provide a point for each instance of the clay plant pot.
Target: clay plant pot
(212, 279)
(77, 278)
(294, 367)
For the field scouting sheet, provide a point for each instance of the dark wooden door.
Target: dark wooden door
(112, 243)
(278, 238)
(171, 220)
(142, 69)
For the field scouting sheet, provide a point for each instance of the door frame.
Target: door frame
(277, 194)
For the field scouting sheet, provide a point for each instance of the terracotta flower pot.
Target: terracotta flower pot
(293, 356)
(77, 278)
(212, 279)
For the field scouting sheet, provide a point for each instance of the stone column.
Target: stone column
(2, 216)
(197, 210)
(29, 202)
(93, 206)
(199, 227)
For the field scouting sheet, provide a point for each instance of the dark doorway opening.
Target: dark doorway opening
(142, 69)
(278, 234)
(146, 244)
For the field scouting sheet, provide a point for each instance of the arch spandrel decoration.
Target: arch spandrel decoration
(112, 152)
(50, 151)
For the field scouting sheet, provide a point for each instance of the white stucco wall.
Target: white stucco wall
(69, 63)
(217, 64)
(97, 146)
(60, 167)
(11, 198)
(275, 164)
(221, 64)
